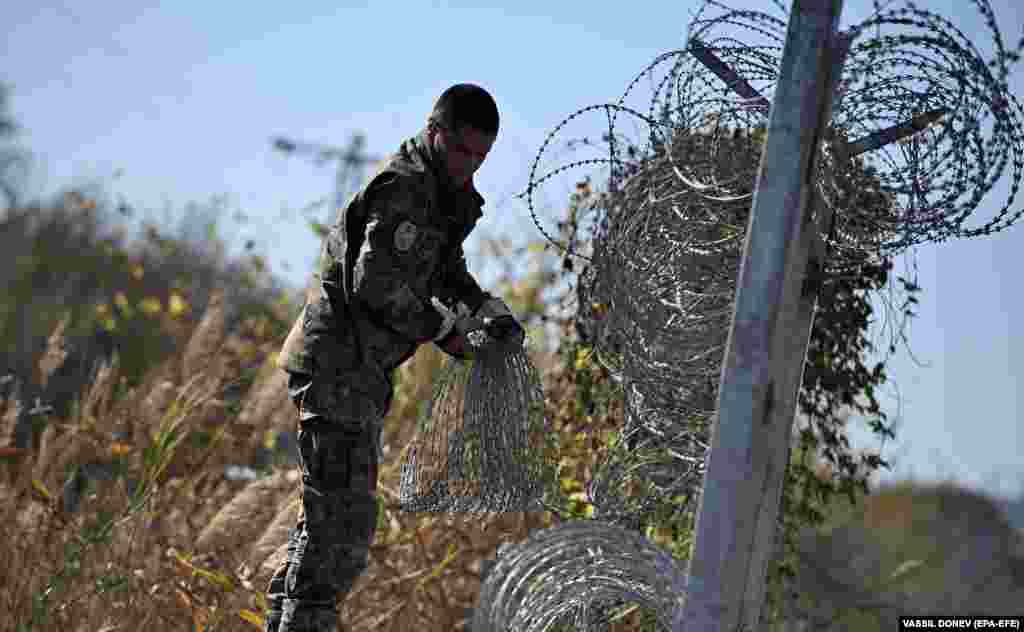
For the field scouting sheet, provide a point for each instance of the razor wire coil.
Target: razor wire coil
(657, 290)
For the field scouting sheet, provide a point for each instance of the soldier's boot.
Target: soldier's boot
(276, 591)
(273, 619)
(275, 599)
(327, 568)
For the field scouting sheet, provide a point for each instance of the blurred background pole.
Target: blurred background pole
(351, 162)
(746, 466)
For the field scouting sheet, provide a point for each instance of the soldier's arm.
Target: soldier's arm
(461, 283)
(383, 274)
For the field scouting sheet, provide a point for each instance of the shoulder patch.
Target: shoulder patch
(405, 236)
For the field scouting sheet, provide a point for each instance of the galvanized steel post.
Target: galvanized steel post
(768, 339)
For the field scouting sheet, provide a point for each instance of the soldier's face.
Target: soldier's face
(464, 150)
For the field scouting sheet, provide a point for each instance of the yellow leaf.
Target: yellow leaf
(269, 439)
(536, 247)
(39, 487)
(452, 552)
(251, 617)
(151, 306)
(121, 300)
(176, 305)
(102, 309)
(582, 359)
(213, 577)
(580, 498)
(137, 272)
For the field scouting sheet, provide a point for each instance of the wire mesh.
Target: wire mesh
(480, 440)
(656, 293)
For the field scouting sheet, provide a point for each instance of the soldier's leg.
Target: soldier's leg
(339, 464)
(297, 386)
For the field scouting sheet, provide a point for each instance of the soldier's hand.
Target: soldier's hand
(505, 328)
(460, 331)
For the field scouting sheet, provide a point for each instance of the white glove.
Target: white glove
(458, 319)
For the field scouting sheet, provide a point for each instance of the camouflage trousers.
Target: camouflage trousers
(329, 547)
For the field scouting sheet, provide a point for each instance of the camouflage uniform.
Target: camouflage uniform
(397, 244)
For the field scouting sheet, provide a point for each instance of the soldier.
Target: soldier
(392, 276)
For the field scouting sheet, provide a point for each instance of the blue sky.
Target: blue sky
(182, 98)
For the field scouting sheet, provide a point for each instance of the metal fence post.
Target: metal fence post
(767, 341)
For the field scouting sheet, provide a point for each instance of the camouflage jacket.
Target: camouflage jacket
(396, 244)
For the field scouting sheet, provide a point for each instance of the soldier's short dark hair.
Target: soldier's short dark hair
(466, 104)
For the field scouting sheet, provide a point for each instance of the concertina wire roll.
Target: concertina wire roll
(479, 441)
(656, 295)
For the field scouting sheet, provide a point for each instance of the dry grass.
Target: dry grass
(146, 489)
(166, 541)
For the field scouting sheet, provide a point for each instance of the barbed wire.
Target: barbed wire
(935, 179)
(655, 297)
